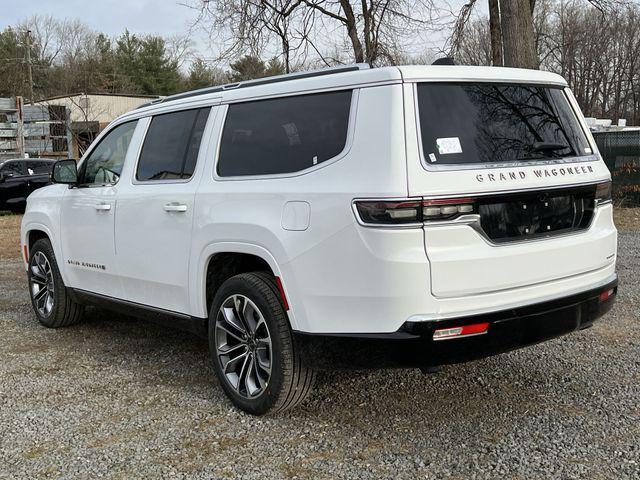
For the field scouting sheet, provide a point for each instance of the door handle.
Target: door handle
(175, 207)
(102, 207)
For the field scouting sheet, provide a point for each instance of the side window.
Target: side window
(283, 135)
(104, 164)
(40, 168)
(12, 169)
(170, 149)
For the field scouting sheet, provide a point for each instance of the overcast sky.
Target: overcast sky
(164, 17)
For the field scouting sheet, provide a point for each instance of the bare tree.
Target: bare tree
(518, 43)
(373, 29)
(249, 26)
(513, 30)
(179, 49)
(495, 30)
(597, 54)
(475, 47)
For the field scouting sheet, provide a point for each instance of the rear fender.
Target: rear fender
(198, 280)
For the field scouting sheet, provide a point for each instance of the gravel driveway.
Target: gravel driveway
(120, 398)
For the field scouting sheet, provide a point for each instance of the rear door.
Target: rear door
(155, 211)
(510, 183)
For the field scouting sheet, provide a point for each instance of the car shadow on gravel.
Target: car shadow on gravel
(158, 356)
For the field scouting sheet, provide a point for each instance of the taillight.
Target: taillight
(603, 192)
(378, 212)
(444, 209)
(411, 212)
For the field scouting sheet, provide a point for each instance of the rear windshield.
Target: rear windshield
(492, 123)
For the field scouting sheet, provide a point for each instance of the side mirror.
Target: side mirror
(3, 177)
(65, 171)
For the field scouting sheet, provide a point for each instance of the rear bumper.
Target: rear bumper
(413, 345)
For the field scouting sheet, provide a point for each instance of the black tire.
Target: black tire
(64, 311)
(290, 382)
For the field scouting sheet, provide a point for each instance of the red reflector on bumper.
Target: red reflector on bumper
(604, 296)
(465, 330)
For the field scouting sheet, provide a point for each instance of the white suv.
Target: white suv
(402, 216)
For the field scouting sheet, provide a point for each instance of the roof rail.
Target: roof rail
(262, 81)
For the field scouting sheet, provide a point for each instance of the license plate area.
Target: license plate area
(522, 216)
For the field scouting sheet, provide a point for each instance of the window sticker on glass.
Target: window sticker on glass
(448, 145)
(432, 157)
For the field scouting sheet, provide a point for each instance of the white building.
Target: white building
(91, 112)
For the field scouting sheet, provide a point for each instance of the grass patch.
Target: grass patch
(627, 218)
(10, 237)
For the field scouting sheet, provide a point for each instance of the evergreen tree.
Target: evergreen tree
(250, 67)
(202, 75)
(143, 63)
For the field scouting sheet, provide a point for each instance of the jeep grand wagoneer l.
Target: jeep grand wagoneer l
(401, 216)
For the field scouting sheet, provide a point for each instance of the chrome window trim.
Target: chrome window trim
(477, 166)
(353, 108)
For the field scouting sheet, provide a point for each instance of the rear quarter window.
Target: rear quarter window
(469, 123)
(283, 135)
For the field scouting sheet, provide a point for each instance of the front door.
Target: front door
(155, 212)
(88, 213)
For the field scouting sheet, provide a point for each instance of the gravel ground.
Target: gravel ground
(120, 398)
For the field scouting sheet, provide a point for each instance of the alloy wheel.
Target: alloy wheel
(41, 284)
(243, 346)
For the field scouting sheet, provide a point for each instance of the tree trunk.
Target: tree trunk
(496, 33)
(517, 34)
(286, 51)
(368, 49)
(352, 31)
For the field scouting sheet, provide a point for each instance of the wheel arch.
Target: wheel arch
(248, 257)
(33, 236)
(34, 231)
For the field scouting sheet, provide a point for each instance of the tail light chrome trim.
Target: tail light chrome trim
(410, 212)
(452, 210)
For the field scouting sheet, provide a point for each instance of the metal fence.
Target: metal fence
(33, 129)
(620, 150)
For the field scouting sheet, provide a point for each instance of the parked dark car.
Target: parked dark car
(21, 176)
